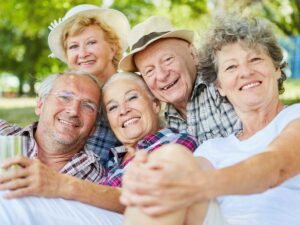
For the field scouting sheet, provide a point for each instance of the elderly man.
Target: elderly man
(167, 60)
(67, 108)
(67, 111)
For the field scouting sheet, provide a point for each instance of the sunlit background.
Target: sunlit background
(24, 60)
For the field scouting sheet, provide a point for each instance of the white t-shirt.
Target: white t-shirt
(276, 206)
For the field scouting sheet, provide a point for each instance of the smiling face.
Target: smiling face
(131, 112)
(89, 51)
(247, 76)
(168, 68)
(68, 123)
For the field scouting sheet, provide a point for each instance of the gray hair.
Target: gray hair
(48, 83)
(128, 76)
(231, 29)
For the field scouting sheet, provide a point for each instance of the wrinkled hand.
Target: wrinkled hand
(31, 178)
(159, 187)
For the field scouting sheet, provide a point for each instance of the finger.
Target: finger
(13, 174)
(156, 210)
(124, 199)
(14, 184)
(17, 160)
(157, 164)
(22, 192)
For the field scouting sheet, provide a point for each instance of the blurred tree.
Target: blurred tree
(285, 14)
(23, 34)
(24, 25)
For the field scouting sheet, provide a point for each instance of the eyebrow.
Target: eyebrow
(64, 91)
(127, 92)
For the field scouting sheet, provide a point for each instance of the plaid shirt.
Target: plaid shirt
(149, 144)
(83, 165)
(102, 140)
(209, 115)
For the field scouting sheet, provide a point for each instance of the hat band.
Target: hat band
(145, 39)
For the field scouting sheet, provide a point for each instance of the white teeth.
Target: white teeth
(67, 123)
(131, 121)
(250, 85)
(86, 62)
(169, 85)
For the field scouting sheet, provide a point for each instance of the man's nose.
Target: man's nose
(74, 107)
(162, 73)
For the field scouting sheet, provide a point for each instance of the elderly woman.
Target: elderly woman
(252, 182)
(133, 114)
(93, 39)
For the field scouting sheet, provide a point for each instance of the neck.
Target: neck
(181, 109)
(256, 119)
(105, 74)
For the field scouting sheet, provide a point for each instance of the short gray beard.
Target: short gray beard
(61, 144)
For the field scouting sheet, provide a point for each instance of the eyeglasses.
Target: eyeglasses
(67, 98)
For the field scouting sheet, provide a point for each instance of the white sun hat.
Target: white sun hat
(147, 32)
(111, 17)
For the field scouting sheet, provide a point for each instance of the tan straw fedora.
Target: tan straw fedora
(111, 17)
(147, 32)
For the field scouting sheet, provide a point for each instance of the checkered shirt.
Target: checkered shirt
(83, 165)
(149, 144)
(102, 140)
(209, 115)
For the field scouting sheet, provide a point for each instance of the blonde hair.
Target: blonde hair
(81, 22)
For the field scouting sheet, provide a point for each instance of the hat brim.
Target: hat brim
(127, 62)
(113, 18)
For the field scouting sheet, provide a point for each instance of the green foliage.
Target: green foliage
(24, 25)
(19, 116)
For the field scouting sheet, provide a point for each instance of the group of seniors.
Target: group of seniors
(224, 97)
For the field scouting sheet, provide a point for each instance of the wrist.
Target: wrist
(66, 187)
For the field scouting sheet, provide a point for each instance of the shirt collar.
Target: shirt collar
(117, 153)
(200, 85)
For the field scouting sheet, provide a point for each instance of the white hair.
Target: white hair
(128, 76)
(48, 83)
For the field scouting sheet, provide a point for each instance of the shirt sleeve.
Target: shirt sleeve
(8, 129)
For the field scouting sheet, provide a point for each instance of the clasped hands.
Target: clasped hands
(158, 186)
